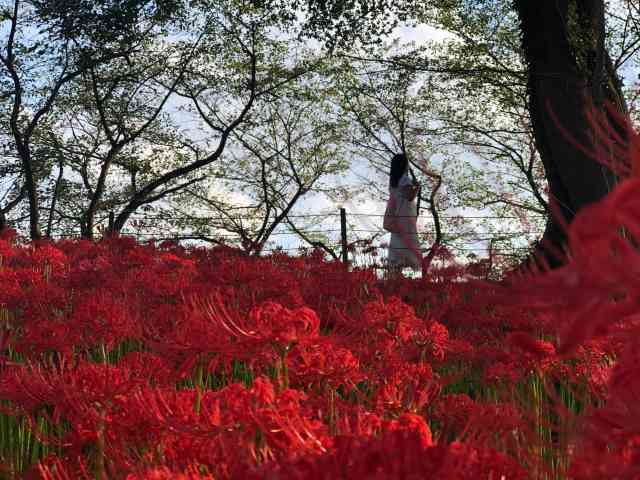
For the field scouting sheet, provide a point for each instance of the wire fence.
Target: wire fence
(357, 238)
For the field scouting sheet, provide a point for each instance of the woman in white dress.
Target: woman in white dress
(401, 218)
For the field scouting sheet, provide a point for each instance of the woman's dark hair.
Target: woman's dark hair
(399, 166)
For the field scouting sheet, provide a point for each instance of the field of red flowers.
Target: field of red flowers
(121, 360)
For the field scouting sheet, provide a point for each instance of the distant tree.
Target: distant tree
(290, 150)
(109, 123)
(239, 63)
(130, 132)
(46, 47)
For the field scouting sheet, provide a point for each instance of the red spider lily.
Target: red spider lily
(503, 372)
(527, 343)
(610, 444)
(323, 363)
(393, 320)
(8, 235)
(366, 363)
(403, 453)
(431, 340)
(453, 412)
(5, 340)
(255, 424)
(55, 468)
(191, 473)
(409, 389)
(268, 323)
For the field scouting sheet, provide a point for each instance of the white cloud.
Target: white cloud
(420, 34)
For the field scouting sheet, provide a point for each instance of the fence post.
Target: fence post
(343, 233)
(112, 220)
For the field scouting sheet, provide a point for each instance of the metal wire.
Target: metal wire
(150, 228)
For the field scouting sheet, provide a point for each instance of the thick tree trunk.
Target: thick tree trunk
(563, 43)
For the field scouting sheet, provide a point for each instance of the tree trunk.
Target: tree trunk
(32, 192)
(56, 194)
(123, 217)
(563, 44)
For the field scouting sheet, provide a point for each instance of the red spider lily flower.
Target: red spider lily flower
(408, 389)
(323, 363)
(366, 361)
(47, 255)
(269, 323)
(284, 326)
(397, 454)
(503, 372)
(453, 412)
(8, 235)
(432, 340)
(532, 353)
(531, 345)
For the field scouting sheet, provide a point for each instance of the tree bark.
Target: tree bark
(563, 45)
(32, 191)
(56, 194)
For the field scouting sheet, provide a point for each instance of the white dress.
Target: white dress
(404, 248)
